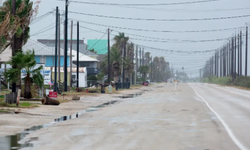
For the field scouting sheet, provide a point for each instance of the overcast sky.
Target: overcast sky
(191, 62)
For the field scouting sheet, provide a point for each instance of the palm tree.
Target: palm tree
(27, 62)
(18, 24)
(144, 70)
(128, 67)
(9, 25)
(147, 55)
(120, 40)
(115, 61)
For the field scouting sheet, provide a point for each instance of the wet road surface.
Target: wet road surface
(160, 119)
(233, 106)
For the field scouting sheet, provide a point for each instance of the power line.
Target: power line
(41, 17)
(165, 31)
(152, 19)
(177, 10)
(162, 40)
(47, 28)
(159, 4)
(178, 51)
(186, 10)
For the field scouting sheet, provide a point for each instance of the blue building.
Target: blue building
(45, 54)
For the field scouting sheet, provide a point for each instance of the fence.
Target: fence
(10, 98)
(125, 85)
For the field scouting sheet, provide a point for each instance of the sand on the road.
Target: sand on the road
(162, 119)
(11, 124)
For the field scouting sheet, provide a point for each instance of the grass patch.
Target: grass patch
(21, 105)
(25, 104)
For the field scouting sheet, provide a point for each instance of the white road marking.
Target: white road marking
(229, 131)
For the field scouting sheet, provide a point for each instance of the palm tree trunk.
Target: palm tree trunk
(27, 89)
(116, 72)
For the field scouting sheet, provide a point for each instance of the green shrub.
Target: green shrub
(239, 81)
(221, 80)
(92, 78)
(242, 81)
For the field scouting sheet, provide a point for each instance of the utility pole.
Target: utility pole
(122, 67)
(241, 53)
(235, 48)
(66, 48)
(136, 63)
(55, 84)
(124, 57)
(71, 41)
(143, 57)
(13, 43)
(59, 47)
(77, 55)
(232, 59)
(238, 55)
(223, 60)
(226, 62)
(212, 65)
(246, 50)
(151, 75)
(132, 60)
(140, 58)
(221, 63)
(200, 75)
(229, 58)
(109, 81)
(215, 59)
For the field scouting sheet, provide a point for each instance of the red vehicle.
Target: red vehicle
(145, 84)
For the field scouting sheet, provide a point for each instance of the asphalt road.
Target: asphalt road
(233, 108)
(195, 117)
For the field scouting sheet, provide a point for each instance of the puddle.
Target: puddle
(12, 142)
(134, 95)
(131, 95)
(74, 116)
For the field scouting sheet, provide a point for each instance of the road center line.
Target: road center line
(229, 131)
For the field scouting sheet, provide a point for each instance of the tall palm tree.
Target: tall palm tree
(120, 40)
(144, 70)
(24, 14)
(128, 67)
(8, 27)
(147, 56)
(115, 61)
(27, 62)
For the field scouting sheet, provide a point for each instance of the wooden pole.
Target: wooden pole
(55, 76)
(59, 48)
(71, 54)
